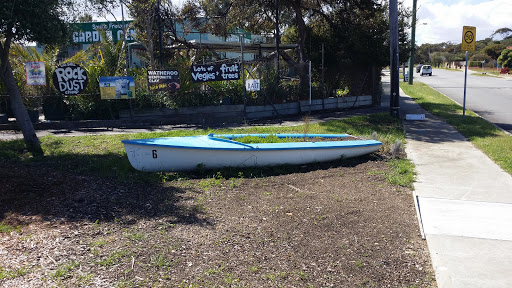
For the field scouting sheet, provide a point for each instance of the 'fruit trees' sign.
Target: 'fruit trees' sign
(70, 79)
(216, 72)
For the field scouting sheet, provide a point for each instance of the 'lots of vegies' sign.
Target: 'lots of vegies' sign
(216, 72)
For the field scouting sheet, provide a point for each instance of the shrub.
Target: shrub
(505, 70)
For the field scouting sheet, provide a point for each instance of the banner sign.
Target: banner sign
(216, 72)
(122, 87)
(163, 80)
(252, 84)
(87, 33)
(36, 75)
(70, 79)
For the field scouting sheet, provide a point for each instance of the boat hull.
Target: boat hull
(169, 154)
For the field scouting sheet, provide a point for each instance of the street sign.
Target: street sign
(468, 38)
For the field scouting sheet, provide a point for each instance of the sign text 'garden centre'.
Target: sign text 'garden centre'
(215, 72)
(88, 33)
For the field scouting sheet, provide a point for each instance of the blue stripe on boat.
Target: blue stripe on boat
(207, 143)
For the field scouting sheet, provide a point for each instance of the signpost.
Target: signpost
(468, 44)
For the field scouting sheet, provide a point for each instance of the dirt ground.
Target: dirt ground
(338, 224)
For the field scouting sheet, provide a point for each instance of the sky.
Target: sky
(442, 20)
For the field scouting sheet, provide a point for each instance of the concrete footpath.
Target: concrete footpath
(464, 203)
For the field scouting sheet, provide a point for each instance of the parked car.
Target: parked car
(426, 70)
(418, 68)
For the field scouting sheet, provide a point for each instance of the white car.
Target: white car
(426, 70)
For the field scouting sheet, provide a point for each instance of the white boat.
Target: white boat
(218, 151)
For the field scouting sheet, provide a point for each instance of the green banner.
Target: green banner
(88, 33)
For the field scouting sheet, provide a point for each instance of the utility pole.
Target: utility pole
(393, 49)
(413, 41)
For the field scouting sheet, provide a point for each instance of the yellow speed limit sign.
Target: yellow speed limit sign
(468, 38)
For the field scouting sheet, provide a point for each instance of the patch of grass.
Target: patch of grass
(485, 136)
(6, 228)
(11, 274)
(162, 261)
(104, 155)
(485, 75)
(402, 172)
(114, 258)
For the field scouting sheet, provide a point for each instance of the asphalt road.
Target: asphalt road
(489, 97)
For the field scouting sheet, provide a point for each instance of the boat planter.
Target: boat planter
(215, 151)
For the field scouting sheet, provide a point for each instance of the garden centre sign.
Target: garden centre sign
(88, 33)
(163, 80)
(215, 72)
(70, 79)
(36, 75)
(122, 87)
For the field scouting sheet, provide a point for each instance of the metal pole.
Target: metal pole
(159, 37)
(465, 80)
(277, 40)
(393, 35)
(243, 67)
(126, 57)
(323, 89)
(413, 41)
(309, 84)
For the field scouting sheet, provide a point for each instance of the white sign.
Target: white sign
(252, 84)
(36, 74)
(414, 116)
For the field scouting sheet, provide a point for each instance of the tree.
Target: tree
(503, 32)
(146, 13)
(354, 31)
(28, 21)
(505, 58)
(494, 51)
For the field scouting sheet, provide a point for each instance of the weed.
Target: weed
(359, 264)
(163, 261)
(64, 271)
(85, 279)
(98, 243)
(114, 258)
(135, 236)
(209, 183)
(301, 274)
(254, 269)
(11, 274)
(402, 172)
(397, 149)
